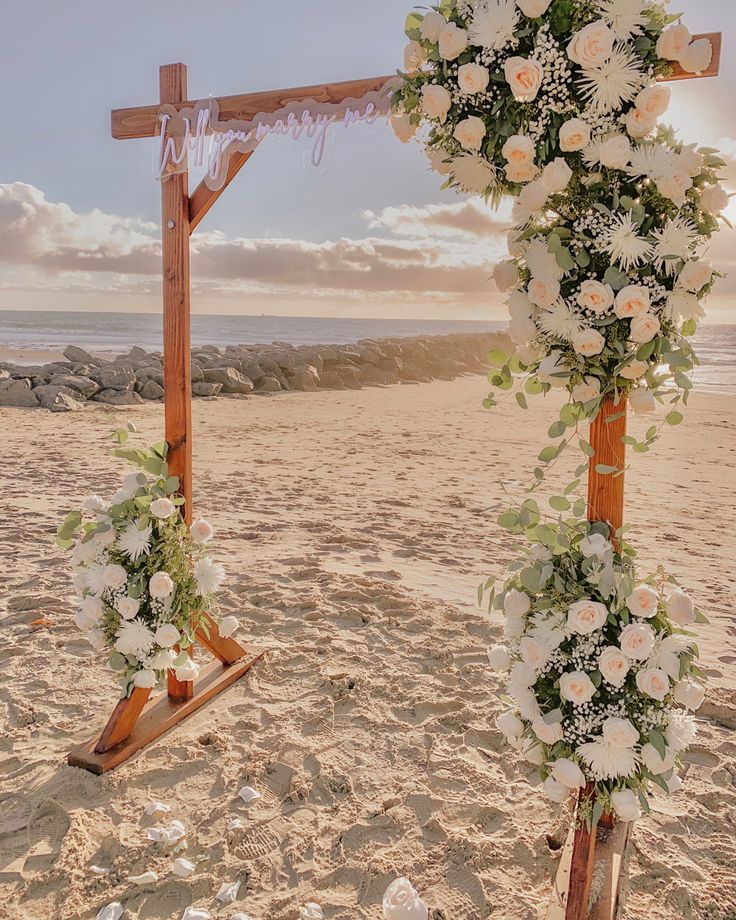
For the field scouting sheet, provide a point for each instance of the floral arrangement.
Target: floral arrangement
(601, 668)
(143, 578)
(556, 102)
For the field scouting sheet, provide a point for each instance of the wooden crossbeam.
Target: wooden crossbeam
(204, 197)
(142, 121)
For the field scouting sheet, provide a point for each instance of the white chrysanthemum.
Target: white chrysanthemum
(652, 161)
(616, 81)
(94, 578)
(473, 173)
(608, 760)
(624, 245)
(676, 238)
(494, 24)
(541, 262)
(681, 731)
(625, 17)
(209, 575)
(134, 638)
(560, 321)
(134, 542)
(548, 628)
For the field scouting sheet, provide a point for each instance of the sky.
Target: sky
(367, 233)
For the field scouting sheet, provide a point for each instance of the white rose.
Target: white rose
(524, 76)
(652, 760)
(516, 603)
(534, 653)
(673, 42)
(689, 694)
(714, 198)
(674, 185)
(586, 390)
(620, 732)
(691, 161)
(696, 275)
(576, 687)
(127, 607)
(643, 602)
(160, 585)
(402, 902)
(685, 305)
(519, 149)
(533, 8)
(94, 504)
(543, 291)
(187, 671)
(653, 682)
(548, 731)
(568, 773)
(644, 328)
(201, 531)
(499, 659)
(574, 135)
(632, 300)
(521, 677)
(97, 639)
(654, 100)
(519, 305)
(681, 608)
(641, 401)
(510, 725)
(513, 627)
(114, 576)
(514, 245)
(163, 660)
(414, 57)
(595, 296)
(436, 102)
(553, 371)
(588, 343)
(556, 176)
(403, 128)
(639, 123)
(439, 160)
(82, 621)
(145, 679)
(533, 196)
(586, 616)
(521, 172)
(613, 665)
(432, 26)
(227, 626)
(595, 544)
(163, 508)
(506, 275)
(634, 370)
(473, 78)
(592, 45)
(637, 641)
(555, 791)
(452, 41)
(697, 56)
(521, 331)
(93, 608)
(626, 805)
(615, 152)
(166, 635)
(470, 132)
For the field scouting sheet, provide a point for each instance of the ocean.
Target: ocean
(113, 333)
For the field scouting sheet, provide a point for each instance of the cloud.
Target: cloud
(466, 219)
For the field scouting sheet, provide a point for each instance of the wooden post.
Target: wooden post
(177, 347)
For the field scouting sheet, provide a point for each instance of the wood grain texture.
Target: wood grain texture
(581, 865)
(122, 721)
(716, 39)
(142, 121)
(176, 308)
(606, 491)
(160, 715)
(204, 197)
(225, 649)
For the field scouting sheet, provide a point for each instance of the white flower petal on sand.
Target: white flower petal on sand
(228, 894)
(196, 913)
(167, 835)
(401, 901)
(147, 878)
(157, 808)
(236, 825)
(248, 794)
(98, 870)
(240, 916)
(227, 626)
(113, 911)
(183, 867)
(311, 911)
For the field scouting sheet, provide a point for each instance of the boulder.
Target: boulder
(331, 380)
(149, 372)
(197, 373)
(305, 379)
(350, 375)
(84, 386)
(79, 356)
(4, 375)
(202, 360)
(17, 393)
(58, 398)
(28, 371)
(118, 398)
(138, 354)
(252, 370)
(232, 381)
(268, 385)
(151, 390)
(203, 388)
(373, 376)
(113, 377)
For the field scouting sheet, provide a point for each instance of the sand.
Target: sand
(355, 528)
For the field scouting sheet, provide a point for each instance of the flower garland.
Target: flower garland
(143, 579)
(556, 103)
(599, 663)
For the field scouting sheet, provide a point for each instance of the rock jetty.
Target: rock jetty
(238, 371)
